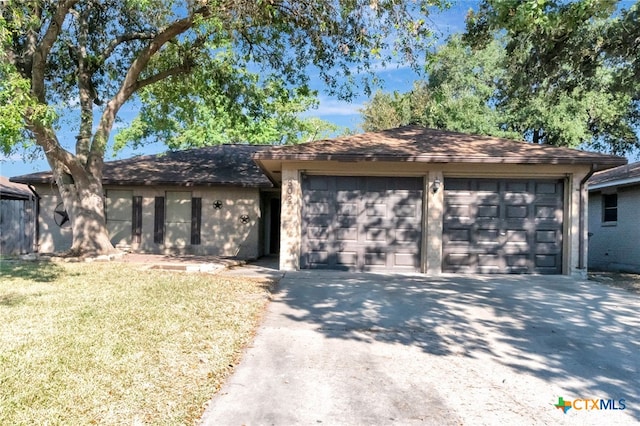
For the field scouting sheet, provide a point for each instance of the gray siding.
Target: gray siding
(615, 246)
(17, 226)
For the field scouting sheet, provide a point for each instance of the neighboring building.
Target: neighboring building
(209, 201)
(431, 201)
(17, 218)
(614, 219)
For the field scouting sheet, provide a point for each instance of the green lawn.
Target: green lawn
(108, 343)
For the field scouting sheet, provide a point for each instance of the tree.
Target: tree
(187, 113)
(103, 53)
(459, 94)
(572, 69)
(386, 111)
(542, 79)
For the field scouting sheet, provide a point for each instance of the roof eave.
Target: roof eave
(6, 194)
(30, 181)
(189, 184)
(111, 182)
(616, 182)
(265, 170)
(601, 163)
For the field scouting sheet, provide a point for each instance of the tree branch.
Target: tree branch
(46, 138)
(85, 89)
(177, 70)
(130, 84)
(44, 47)
(185, 67)
(124, 38)
(26, 61)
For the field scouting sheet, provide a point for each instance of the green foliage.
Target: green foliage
(192, 78)
(221, 102)
(15, 99)
(203, 71)
(458, 95)
(560, 73)
(385, 111)
(11, 112)
(572, 69)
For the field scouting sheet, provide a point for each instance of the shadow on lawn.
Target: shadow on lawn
(555, 328)
(40, 271)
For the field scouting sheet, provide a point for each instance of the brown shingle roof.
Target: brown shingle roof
(10, 190)
(217, 165)
(419, 144)
(629, 173)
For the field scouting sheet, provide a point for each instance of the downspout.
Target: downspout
(36, 240)
(581, 226)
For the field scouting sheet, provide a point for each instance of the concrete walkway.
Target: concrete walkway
(264, 268)
(341, 348)
(185, 263)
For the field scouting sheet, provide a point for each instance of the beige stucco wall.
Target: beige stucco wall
(222, 231)
(575, 205)
(52, 238)
(177, 223)
(433, 204)
(290, 220)
(615, 246)
(432, 217)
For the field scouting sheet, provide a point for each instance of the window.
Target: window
(118, 209)
(177, 217)
(609, 207)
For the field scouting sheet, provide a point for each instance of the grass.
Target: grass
(625, 281)
(94, 343)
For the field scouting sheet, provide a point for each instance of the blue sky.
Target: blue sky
(394, 77)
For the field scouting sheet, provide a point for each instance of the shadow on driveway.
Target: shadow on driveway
(483, 349)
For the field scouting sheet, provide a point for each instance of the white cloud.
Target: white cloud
(11, 157)
(70, 103)
(330, 106)
(120, 125)
(380, 67)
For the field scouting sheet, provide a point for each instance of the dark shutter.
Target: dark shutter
(136, 220)
(158, 223)
(196, 219)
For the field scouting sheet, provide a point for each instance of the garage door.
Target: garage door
(503, 226)
(361, 223)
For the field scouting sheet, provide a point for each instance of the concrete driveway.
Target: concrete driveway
(343, 348)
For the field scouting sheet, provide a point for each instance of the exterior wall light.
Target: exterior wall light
(436, 185)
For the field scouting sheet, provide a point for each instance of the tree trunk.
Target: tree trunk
(88, 221)
(83, 200)
(79, 176)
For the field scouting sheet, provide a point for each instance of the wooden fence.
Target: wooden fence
(17, 226)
